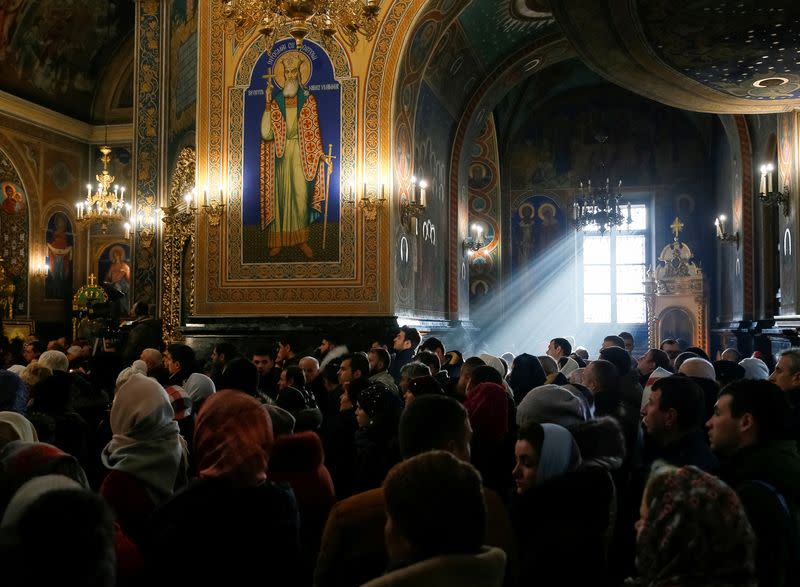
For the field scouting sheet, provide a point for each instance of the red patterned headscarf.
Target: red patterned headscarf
(487, 406)
(233, 438)
(696, 533)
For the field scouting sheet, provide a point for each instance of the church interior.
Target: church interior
(507, 112)
(504, 109)
(279, 181)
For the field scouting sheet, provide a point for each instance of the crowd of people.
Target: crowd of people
(401, 464)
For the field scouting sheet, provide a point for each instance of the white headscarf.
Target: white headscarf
(559, 453)
(146, 442)
(32, 490)
(198, 387)
(15, 426)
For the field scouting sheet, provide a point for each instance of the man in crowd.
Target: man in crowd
(314, 383)
(671, 347)
(435, 346)
(330, 349)
(221, 355)
(673, 425)
(32, 350)
(268, 372)
(649, 362)
(405, 347)
(179, 359)
(352, 549)
(287, 355)
(559, 347)
(379, 361)
(759, 459)
(787, 376)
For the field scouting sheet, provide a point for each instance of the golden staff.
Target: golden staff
(328, 164)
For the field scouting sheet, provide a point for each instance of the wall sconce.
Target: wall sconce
(412, 209)
(213, 209)
(769, 197)
(41, 270)
(368, 202)
(474, 242)
(146, 220)
(723, 236)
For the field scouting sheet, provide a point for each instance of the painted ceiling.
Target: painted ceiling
(721, 56)
(53, 52)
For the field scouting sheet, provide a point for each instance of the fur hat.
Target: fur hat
(754, 368)
(550, 404)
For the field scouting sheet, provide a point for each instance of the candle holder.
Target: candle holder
(412, 208)
(214, 212)
(724, 236)
(770, 197)
(474, 242)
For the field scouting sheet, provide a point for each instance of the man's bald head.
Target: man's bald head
(152, 357)
(697, 367)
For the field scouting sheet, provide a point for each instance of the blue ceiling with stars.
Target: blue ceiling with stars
(745, 49)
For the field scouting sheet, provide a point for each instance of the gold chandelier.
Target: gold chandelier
(104, 206)
(326, 17)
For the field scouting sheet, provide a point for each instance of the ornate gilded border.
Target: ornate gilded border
(147, 131)
(217, 294)
(236, 268)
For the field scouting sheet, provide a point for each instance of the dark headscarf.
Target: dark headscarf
(526, 373)
(233, 439)
(378, 399)
(487, 406)
(13, 392)
(696, 533)
(21, 461)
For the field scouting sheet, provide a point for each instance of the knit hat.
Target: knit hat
(754, 368)
(494, 363)
(727, 371)
(551, 404)
(375, 399)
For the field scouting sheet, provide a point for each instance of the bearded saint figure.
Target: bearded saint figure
(292, 170)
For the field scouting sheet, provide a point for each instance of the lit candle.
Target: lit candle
(422, 186)
(127, 230)
(629, 212)
(205, 197)
(763, 185)
(718, 224)
(769, 179)
(383, 188)
(479, 229)
(187, 199)
(364, 193)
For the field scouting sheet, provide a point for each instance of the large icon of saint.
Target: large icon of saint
(293, 186)
(58, 283)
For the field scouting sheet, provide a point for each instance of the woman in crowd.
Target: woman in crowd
(377, 449)
(232, 510)
(526, 373)
(693, 531)
(145, 456)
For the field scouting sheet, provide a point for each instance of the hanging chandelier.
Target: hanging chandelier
(106, 205)
(598, 206)
(349, 17)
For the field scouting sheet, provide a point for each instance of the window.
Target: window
(614, 268)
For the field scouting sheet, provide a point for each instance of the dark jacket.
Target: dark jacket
(776, 463)
(213, 533)
(691, 449)
(399, 361)
(562, 529)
